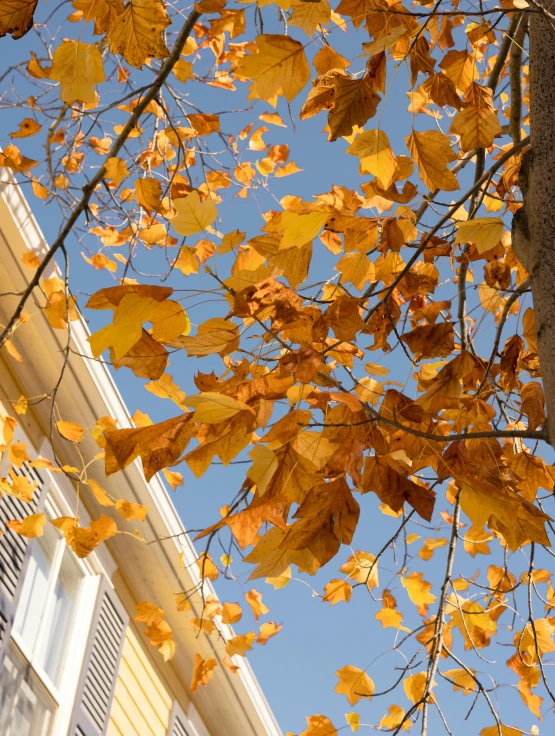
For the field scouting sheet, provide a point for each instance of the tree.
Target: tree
(309, 305)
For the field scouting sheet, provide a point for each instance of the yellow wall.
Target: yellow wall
(142, 703)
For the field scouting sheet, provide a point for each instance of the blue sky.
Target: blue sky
(296, 668)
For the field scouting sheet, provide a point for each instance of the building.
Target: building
(72, 660)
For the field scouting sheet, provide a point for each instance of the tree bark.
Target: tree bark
(534, 223)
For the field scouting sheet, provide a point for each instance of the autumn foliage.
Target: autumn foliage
(367, 350)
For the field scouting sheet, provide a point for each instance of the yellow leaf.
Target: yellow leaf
(202, 671)
(462, 680)
(353, 720)
(357, 268)
(264, 466)
(30, 259)
(415, 686)
(273, 118)
(267, 630)
(485, 232)
(126, 328)
(138, 33)
(193, 216)
(148, 613)
(280, 581)
(337, 590)
(254, 599)
(376, 157)
(418, 591)
(354, 683)
(279, 67)
(27, 128)
(533, 702)
(240, 644)
(174, 478)
(99, 493)
(362, 567)
(183, 71)
(287, 170)
(12, 158)
(166, 388)
(309, 16)
(299, 228)
(167, 649)
(207, 569)
(431, 151)
(21, 488)
(394, 718)
(203, 625)
(182, 602)
(148, 193)
(169, 321)
(130, 511)
(536, 640)
(231, 613)
(319, 725)
(314, 447)
(39, 190)
(430, 545)
(70, 431)
(477, 126)
(328, 58)
(17, 453)
(116, 170)
(505, 511)
(391, 618)
(32, 526)
(505, 731)
(213, 408)
(385, 42)
(78, 67)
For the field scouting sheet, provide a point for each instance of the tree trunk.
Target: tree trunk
(534, 224)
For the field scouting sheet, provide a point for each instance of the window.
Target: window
(25, 708)
(33, 668)
(48, 601)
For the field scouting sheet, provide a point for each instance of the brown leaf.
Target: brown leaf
(532, 404)
(326, 518)
(431, 341)
(147, 358)
(355, 102)
(394, 489)
(16, 17)
(158, 445)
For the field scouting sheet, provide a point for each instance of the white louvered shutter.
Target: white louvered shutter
(14, 549)
(178, 722)
(100, 665)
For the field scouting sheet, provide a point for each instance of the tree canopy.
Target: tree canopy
(370, 350)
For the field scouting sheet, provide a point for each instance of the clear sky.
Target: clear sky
(296, 668)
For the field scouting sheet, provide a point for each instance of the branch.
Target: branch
(437, 642)
(525, 285)
(515, 71)
(493, 434)
(91, 185)
(484, 179)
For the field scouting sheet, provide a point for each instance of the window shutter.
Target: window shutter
(178, 722)
(100, 665)
(14, 549)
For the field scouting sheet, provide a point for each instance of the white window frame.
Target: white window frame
(62, 695)
(193, 723)
(59, 498)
